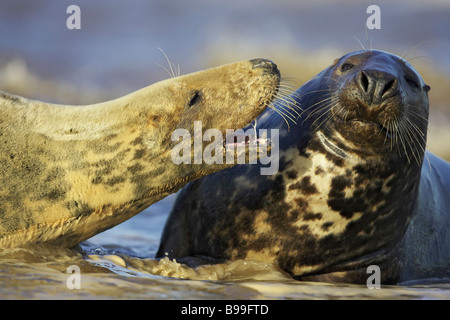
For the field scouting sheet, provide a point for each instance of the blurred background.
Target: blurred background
(116, 50)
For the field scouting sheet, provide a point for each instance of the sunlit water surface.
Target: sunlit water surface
(119, 264)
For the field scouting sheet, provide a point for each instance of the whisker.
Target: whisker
(284, 113)
(168, 72)
(286, 108)
(289, 78)
(320, 111)
(281, 114)
(416, 57)
(339, 82)
(403, 57)
(416, 128)
(409, 141)
(360, 43)
(172, 72)
(321, 101)
(330, 115)
(327, 109)
(330, 90)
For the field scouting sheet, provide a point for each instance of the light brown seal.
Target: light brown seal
(68, 173)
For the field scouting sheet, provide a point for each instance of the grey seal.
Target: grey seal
(70, 172)
(353, 188)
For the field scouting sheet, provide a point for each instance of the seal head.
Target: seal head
(68, 173)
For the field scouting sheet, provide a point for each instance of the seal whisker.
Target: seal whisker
(418, 117)
(287, 103)
(327, 109)
(280, 113)
(178, 70)
(320, 102)
(339, 82)
(322, 108)
(290, 98)
(168, 72)
(254, 127)
(408, 141)
(411, 142)
(318, 110)
(416, 57)
(420, 132)
(331, 115)
(369, 42)
(397, 134)
(418, 114)
(286, 107)
(288, 95)
(403, 57)
(387, 125)
(360, 43)
(172, 73)
(285, 92)
(285, 84)
(416, 136)
(400, 132)
(287, 78)
(393, 129)
(331, 90)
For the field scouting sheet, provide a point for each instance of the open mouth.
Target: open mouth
(248, 136)
(238, 139)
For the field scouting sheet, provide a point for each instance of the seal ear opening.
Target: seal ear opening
(195, 98)
(426, 88)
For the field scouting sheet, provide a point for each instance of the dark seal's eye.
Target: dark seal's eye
(195, 98)
(413, 83)
(346, 67)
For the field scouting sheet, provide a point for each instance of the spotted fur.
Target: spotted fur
(348, 188)
(68, 173)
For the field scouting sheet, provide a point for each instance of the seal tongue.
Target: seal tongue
(242, 139)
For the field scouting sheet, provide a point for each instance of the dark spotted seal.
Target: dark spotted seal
(68, 173)
(353, 188)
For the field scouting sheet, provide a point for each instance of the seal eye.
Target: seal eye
(412, 83)
(195, 98)
(346, 67)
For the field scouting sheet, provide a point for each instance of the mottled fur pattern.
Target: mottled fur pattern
(347, 189)
(68, 173)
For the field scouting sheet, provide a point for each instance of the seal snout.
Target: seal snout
(265, 64)
(376, 86)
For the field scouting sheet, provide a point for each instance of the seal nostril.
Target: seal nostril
(389, 87)
(364, 81)
(265, 64)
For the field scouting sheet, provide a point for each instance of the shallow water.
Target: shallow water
(118, 264)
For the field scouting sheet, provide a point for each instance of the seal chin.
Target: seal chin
(364, 131)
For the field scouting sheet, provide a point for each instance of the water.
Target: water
(116, 51)
(119, 264)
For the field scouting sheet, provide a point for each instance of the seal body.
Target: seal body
(350, 191)
(68, 173)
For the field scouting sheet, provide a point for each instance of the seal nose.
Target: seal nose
(376, 86)
(265, 64)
